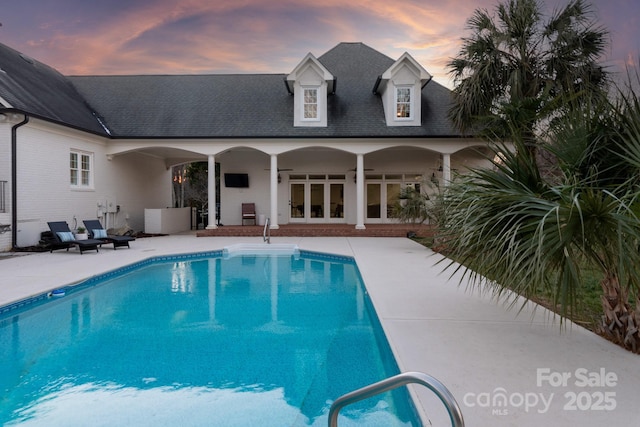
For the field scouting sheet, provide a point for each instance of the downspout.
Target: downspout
(286, 83)
(377, 85)
(14, 180)
(426, 83)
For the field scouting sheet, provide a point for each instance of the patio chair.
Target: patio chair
(64, 238)
(97, 231)
(249, 212)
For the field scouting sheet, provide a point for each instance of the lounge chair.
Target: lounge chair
(64, 238)
(96, 231)
(249, 212)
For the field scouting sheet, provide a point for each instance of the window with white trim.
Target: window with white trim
(404, 96)
(81, 169)
(310, 104)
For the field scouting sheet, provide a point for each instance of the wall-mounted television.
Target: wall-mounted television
(236, 180)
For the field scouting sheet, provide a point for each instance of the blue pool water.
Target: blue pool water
(200, 341)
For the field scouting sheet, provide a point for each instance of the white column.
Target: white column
(446, 168)
(211, 192)
(360, 192)
(274, 192)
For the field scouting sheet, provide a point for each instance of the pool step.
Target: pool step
(260, 249)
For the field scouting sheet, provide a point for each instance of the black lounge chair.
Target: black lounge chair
(64, 238)
(96, 231)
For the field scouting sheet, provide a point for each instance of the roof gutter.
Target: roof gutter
(14, 180)
(105, 134)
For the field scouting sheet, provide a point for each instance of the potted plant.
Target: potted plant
(81, 233)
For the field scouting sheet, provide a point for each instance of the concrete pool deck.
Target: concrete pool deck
(504, 368)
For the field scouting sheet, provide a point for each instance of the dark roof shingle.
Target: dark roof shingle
(36, 88)
(219, 106)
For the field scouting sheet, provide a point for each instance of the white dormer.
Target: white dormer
(401, 88)
(310, 82)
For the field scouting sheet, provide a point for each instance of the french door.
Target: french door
(297, 202)
(381, 197)
(315, 201)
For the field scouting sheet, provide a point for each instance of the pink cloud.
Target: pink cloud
(200, 36)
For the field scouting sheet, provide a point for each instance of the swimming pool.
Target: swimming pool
(200, 340)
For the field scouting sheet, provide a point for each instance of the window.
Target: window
(310, 104)
(403, 103)
(80, 169)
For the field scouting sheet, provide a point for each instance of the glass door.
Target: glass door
(336, 200)
(313, 201)
(393, 197)
(374, 202)
(317, 201)
(381, 199)
(296, 202)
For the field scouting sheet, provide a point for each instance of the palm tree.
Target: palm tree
(512, 68)
(509, 228)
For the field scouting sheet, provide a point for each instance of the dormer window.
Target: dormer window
(310, 83)
(403, 103)
(310, 104)
(400, 88)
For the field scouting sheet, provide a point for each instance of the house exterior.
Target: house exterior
(332, 141)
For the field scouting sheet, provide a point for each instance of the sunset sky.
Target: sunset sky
(257, 36)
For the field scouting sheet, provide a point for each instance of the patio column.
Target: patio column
(360, 192)
(446, 168)
(211, 193)
(273, 216)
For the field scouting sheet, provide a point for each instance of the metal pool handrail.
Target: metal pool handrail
(445, 396)
(267, 230)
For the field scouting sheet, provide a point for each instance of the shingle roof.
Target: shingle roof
(355, 110)
(190, 105)
(224, 106)
(34, 87)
